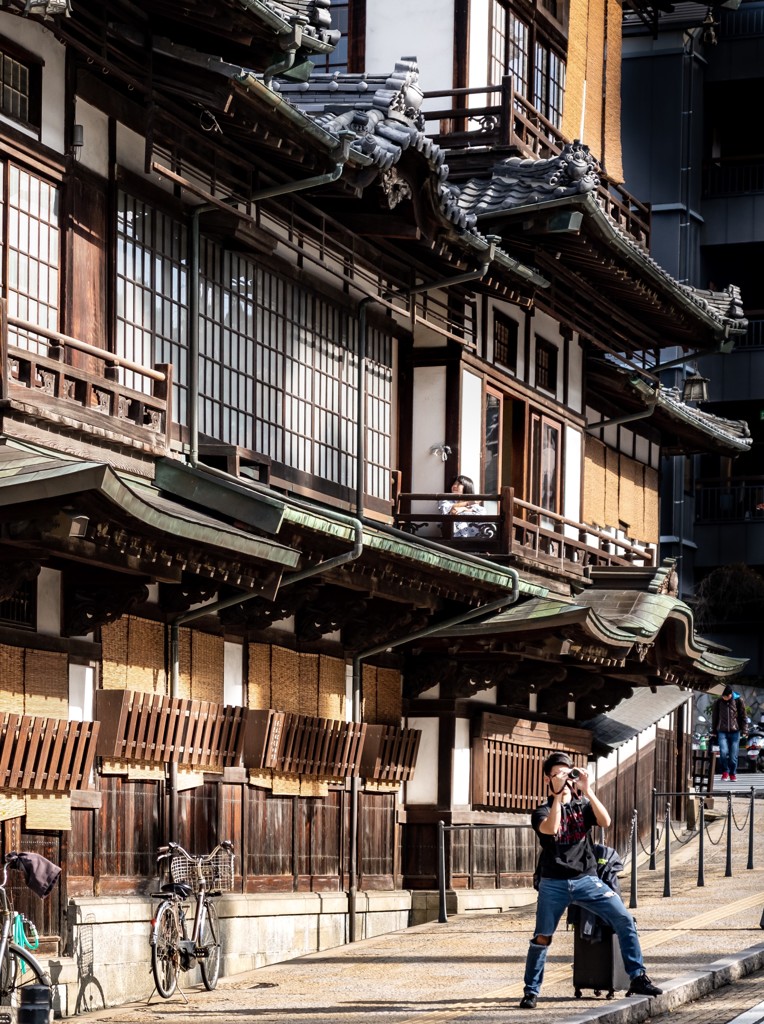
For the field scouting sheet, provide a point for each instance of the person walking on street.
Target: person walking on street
(728, 724)
(568, 874)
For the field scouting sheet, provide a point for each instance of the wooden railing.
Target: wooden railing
(508, 120)
(158, 729)
(36, 369)
(390, 753)
(735, 501)
(47, 754)
(151, 727)
(522, 530)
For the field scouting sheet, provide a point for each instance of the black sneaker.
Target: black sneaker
(642, 986)
(528, 1002)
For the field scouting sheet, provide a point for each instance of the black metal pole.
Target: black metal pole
(653, 828)
(442, 912)
(633, 893)
(667, 862)
(749, 865)
(701, 845)
(728, 869)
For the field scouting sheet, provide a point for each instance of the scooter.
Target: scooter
(753, 755)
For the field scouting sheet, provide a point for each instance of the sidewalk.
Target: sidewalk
(470, 969)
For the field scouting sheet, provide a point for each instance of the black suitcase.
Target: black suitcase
(597, 962)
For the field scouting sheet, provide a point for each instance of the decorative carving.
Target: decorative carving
(87, 606)
(175, 599)
(327, 610)
(383, 622)
(259, 613)
(14, 574)
(395, 188)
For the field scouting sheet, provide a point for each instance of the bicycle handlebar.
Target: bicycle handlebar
(175, 849)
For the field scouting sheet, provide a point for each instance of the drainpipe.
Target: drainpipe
(492, 606)
(631, 417)
(291, 44)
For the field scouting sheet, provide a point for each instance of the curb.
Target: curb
(684, 989)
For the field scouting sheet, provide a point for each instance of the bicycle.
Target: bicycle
(172, 948)
(18, 966)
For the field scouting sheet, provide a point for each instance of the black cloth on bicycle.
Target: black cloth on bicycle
(40, 873)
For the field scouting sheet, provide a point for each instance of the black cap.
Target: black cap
(727, 691)
(558, 757)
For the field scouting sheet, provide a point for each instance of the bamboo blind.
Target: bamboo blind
(575, 70)
(207, 667)
(286, 784)
(308, 700)
(331, 687)
(12, 805)
(389, 695)
(145, 656)
(612, 156)
(185, 686)
(285, 680)
(259, 683)
(12, 676)
(114, 655)
(612, 495)
(594, 482)
(651, 517)
(595, 77)
(46, 684)
(369, 691)
(49, 812)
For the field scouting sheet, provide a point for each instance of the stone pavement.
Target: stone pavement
(470, 969)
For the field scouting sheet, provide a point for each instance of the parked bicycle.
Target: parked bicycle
(173, 949)
(18, 966)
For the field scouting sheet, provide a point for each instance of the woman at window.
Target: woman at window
(463, 506)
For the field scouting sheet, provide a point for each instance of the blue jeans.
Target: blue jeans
(729, 742)
(555, 896)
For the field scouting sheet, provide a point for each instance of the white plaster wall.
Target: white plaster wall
(423, 30)
(575, 376)
(49, 602)
(233, 674)
(131, 153)
(470, 442)
(642, 449)
(81, 686)
(460, 783)
(37, 40)
(572, 471)
(428, 428)
(423, 788)
(95, 133)
(488, 696)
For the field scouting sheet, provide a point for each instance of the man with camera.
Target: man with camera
(568, 874)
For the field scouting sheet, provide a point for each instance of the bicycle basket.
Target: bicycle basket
(217, 871)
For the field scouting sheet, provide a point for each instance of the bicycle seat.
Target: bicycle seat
(178, 888)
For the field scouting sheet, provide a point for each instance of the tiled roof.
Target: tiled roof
(315, 13)
(385, 113)
(573, 176)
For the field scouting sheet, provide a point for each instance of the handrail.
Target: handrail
(83, 346)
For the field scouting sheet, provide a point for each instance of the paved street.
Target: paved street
(470, 969)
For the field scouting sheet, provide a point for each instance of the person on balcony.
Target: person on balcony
(463, 506)
(568, 874)
(728, 723)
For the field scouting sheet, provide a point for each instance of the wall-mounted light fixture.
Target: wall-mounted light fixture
(78, 140)
(441, 450)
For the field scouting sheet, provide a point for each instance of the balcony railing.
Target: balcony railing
(516, 529)
(754, 336)
(734, 502)
(733, 177)
(37, 371)
(484, 118)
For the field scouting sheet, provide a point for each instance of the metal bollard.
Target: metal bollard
(751, 806)
(728, 868)
(634, 833)
(667, 861)
(701, 840)
(442, 911)
(35, 1004)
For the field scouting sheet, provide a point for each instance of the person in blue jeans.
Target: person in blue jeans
(568, 874)
(728, 723)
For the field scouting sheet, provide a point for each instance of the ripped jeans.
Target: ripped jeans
(555, 896)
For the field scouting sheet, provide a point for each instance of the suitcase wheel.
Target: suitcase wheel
(610, 994)
(598, 991)
(578, 993)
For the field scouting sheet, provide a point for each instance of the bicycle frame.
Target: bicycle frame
(7, 947)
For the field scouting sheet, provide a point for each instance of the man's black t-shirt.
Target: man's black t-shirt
(568, 854)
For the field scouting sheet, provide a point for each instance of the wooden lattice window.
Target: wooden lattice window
(20, 609)
(20, 85)
(546, 365)
(505, 331)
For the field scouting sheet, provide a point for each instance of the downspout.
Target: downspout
(631, 417)
(492, 606)
(291, 44)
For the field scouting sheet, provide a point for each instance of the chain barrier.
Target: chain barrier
(721, 834)
(689, 836)
(747, 817)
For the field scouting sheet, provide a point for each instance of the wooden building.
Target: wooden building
(250, 330)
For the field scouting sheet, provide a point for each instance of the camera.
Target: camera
(574, 774)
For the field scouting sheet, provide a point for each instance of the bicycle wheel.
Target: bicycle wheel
(18, 969)
(210, 939)
(165, 957)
